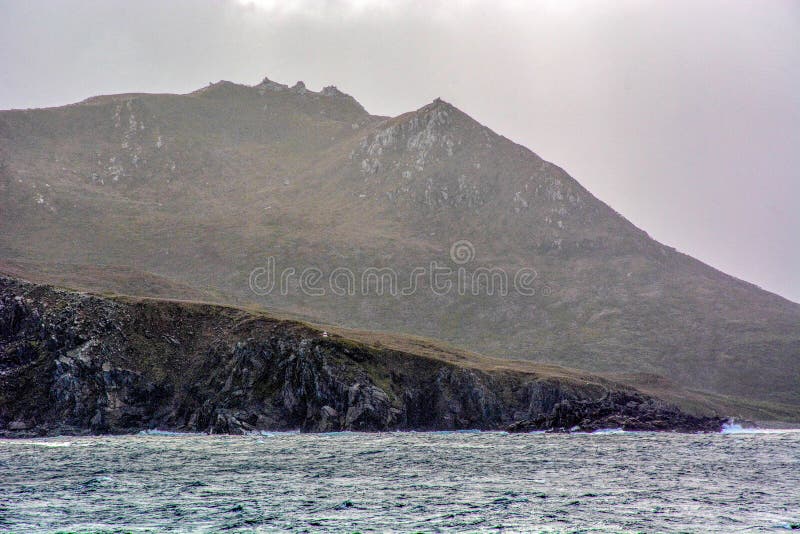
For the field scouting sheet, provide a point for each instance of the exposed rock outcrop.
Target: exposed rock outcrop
(76, 363)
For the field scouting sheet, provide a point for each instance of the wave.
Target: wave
(735, 428)
(156, 432)
(51, 444)
(272, 433)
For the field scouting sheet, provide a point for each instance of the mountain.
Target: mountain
(205, 188)
(76, 363)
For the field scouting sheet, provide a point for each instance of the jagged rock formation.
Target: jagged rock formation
(76, 363)
(202, 187)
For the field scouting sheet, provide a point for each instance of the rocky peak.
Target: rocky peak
(434, 117)
(269, 85)
(420, 135)
(332, 90)
(439, 103)
(300, 88)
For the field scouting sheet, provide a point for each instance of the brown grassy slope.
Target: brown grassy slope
(104, 279)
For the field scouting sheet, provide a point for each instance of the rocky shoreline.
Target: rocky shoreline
(74, 363)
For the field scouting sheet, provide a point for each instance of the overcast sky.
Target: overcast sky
(683, 116)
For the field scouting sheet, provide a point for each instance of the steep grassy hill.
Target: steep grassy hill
(111, 279)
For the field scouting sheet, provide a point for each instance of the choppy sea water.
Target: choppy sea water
(407, 482)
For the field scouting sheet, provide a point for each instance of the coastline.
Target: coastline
(80, 363)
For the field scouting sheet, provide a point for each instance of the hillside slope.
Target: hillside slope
(113, 279)
(204, 187)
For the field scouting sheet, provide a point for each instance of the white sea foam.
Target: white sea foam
(272, 433)
(461, 431)
(156, 432)
(52, 444)
(734, 428)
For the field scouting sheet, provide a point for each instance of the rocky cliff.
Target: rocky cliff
(77, 363)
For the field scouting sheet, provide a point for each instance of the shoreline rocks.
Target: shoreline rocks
(73, 363)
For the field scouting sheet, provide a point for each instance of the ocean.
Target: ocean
(737, 481)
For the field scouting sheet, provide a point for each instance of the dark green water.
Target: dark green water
(407, 482)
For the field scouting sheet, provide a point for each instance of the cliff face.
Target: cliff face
(76, 363)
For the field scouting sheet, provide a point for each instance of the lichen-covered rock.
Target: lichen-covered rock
(618, 409)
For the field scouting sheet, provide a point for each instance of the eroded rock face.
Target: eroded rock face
(617, 409)
(75, 363)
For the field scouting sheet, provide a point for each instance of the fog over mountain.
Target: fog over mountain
(684, 117)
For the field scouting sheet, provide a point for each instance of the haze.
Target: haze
(683, 116)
